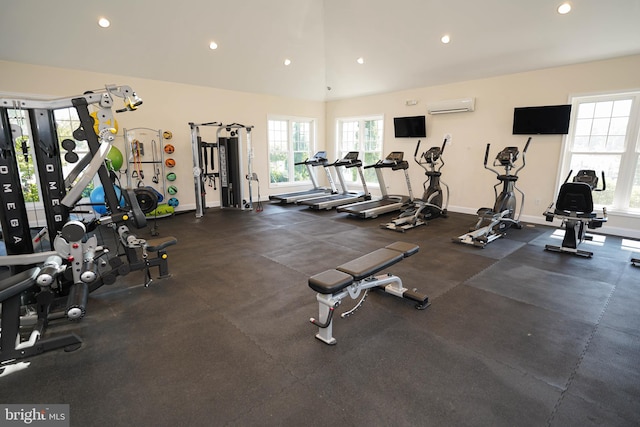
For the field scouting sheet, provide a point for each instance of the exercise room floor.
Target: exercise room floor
(514, 336)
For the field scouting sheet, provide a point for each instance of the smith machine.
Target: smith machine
(229, 163)
(56, 283)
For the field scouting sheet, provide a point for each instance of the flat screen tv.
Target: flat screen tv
(410, 127)
(547, 120)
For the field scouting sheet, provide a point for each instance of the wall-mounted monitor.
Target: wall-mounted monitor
(410, 127)
(547, 120)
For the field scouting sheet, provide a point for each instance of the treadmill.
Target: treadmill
(387, 203)
(349, 161)
(319, 159)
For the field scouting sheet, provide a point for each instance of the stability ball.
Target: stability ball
(114, 159)
(98, 200)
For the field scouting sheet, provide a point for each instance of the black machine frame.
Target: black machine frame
(55, 284)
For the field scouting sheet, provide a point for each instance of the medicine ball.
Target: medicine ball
(171, 176)
(169, 149)
(169, 163)
(172, 189)
(173, 202)
(167, 134)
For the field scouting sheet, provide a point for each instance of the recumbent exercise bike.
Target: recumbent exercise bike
(431, 204)
(575, 207)
(493, 223)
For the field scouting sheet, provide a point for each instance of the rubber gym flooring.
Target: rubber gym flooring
(514, 336)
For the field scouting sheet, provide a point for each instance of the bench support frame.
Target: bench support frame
(327, 303)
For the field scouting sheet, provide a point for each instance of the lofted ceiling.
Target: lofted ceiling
(399, 40)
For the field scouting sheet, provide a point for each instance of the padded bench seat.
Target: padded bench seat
(334, 280)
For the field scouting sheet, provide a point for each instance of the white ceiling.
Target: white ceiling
(398, 39)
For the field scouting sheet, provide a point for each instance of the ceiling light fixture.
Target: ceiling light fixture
(287, 62)
(213, 45)
(564, 8)
(104, 22)
(360, 60)
(445, 39)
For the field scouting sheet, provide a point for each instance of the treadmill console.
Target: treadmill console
(394, 160)
(395, 156)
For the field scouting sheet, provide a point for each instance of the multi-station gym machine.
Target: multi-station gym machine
(55, 283)
(229, 177)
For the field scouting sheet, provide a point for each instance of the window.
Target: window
(367, 142)
(24, 155)
(291, 141)
(604, 137)
(66, 120)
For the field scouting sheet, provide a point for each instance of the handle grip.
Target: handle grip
(486, 155)
(444, 143)
(415, 154)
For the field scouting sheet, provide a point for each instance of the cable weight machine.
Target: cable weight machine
(227, 156)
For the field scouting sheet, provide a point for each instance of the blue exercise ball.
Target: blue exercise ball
(98, 200)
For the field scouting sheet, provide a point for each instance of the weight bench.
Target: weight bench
(353, 277)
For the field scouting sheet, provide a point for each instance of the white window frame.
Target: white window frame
(73, 123)
(630, 155)
(350, 178)
(290, 149)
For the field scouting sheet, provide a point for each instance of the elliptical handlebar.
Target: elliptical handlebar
(447, 137)
(524, 155)
(511, 161)
(431, 156)
(604, 184)
(486, 159)
(486, 156)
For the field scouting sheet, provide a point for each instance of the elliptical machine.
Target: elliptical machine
(575, 207)
(493, 223)
(431, 204)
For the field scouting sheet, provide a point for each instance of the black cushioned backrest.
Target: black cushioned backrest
(575, 197)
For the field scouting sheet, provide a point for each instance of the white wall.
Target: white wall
(171, 106)
(470, 184)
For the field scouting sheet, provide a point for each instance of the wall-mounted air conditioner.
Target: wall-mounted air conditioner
(451, 106)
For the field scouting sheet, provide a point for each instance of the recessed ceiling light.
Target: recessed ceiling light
(445, 39)
(360, 60)
(564, 8)
(104, 22)
(213, 45)
(287, 61)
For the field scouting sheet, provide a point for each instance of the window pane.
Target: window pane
(290, 142)
(621, 108)
(301, 148)
(603, 109)
(26, 164)
(349, 137)
(585, 110)
(278, 153)
(600, 126)
(605, 137)
(366, 137)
